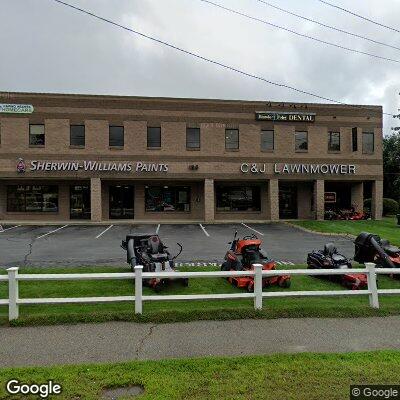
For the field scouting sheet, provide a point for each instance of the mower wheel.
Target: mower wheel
(285, 283)
(158, 287)
(250, 287)
(185, 282)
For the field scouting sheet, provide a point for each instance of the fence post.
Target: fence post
(13, 294)
(138, 289)
(258, 300)
(372, 286)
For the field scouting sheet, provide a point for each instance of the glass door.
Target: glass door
(288, 202)
(79, 202)
(121, 202)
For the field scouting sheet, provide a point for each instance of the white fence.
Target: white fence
(14, 301)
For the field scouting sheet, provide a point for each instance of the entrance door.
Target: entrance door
(121, 202)
(79, 202)
(288, 202)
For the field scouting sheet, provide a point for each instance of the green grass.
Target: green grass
(386, 228)
(171, 311)
(306, 376)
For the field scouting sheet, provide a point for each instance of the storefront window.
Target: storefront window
(301, 139)
(32, 198)
(79, 202)
(238, 198)
(167, 198)
(333, 141)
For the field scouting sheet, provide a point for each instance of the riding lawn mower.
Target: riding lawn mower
(242, 255)
(329, 258)
(150, 251)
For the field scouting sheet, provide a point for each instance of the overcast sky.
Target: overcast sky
(46, 47)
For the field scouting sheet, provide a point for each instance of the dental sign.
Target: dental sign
(89, 166)
(304, 169)
(284, 116)
(16, 108)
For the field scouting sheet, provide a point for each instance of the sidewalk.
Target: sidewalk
(121, 341)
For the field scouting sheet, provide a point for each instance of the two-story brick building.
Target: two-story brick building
(104, 158)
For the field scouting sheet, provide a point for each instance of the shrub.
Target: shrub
(390, 206)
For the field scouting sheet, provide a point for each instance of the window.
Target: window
(154, 137)
(167, 198)
(32, 198)
(333, 141)
(231, 139)
(238, 198)
(77, 135)
(36, 135)
(116, 138)
(193, 138)
(301, 141)
(368, 142)
(267, 140)
(354, 139)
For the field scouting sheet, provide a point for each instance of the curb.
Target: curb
(345, 235)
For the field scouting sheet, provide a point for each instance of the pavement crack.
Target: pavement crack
(29, 253)
(144, 338)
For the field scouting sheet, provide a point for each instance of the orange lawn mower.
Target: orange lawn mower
(242, 255)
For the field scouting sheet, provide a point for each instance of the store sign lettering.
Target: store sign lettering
(16, 108)
(91, 166)
(291, 169)
(284, 116)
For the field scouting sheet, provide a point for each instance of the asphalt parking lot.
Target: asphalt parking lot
(78, 245)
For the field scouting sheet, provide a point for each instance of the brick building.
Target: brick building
(105, 158)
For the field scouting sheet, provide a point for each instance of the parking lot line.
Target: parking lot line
(204, 230)
(7, 229)
(158, 228)
(248, 227)
(49, 233)
(105, 230)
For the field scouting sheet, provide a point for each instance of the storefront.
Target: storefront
(103, 158)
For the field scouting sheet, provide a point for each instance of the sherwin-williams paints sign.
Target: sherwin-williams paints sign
(16, 108)
(284, 116)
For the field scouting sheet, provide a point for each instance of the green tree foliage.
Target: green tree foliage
(391, 165)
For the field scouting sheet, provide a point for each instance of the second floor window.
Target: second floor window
(333, 141)
(154, 137)
(116, 138)
(193, 138)
(231, 139)
(36, 135)
(368, 142)
(354, 144)
(267, 140)
(301, 141)
(77, 135)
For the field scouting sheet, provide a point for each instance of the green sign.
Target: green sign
(16, 108)
(284, 116)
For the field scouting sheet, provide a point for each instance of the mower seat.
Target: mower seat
(330, 250)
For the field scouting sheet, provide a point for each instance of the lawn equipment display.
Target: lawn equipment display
(346, 215)
(241, 256)
(371, 248)
(330, 258)
(150, 251)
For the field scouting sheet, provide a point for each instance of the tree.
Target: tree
(391, 165)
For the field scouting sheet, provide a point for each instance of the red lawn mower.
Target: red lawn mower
(241, 256)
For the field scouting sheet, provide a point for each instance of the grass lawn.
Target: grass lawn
(386, 228)
(304, 376)
(172, 311)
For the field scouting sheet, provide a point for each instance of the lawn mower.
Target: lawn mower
(241, 256)
(329, 258)
(371, 248)
(150, 251)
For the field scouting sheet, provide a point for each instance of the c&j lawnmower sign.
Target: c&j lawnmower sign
(292, 169)
(16, 108)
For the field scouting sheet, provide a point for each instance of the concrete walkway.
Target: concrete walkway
(121, 341)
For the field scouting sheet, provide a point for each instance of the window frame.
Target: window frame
(261, 139)
(255, 193)
(237, 142)
(37, 134)
(149, 142)
(53, 189)
(299, 150)
(372, 133)
(330, 149)
(110, 140)
(199, 138)
(71, 136)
